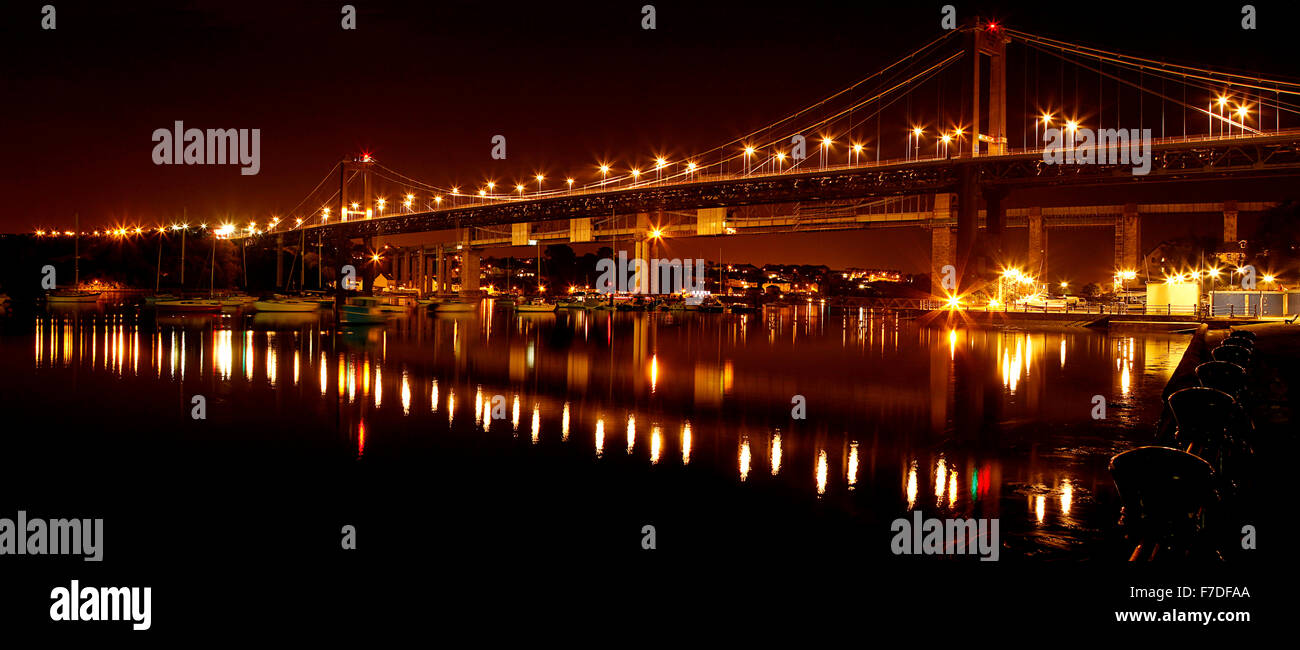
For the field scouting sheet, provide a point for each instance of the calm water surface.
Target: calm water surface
(899, 416)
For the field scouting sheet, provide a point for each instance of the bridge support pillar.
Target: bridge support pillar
(943, 252)
(421, 276)
(1037, 243)
(279, 261)
(967, 226)
(369, 268)
(1127, 239)
(994, 223)
(440, 269)
(1230, 222)
(469, 272)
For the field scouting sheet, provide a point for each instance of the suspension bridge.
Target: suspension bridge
(928, 141)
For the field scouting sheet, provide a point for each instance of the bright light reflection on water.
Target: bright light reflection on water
(995, 420)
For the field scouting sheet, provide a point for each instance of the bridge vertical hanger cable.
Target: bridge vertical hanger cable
(1121, 82)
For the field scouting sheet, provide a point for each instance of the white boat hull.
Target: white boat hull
(285, 306)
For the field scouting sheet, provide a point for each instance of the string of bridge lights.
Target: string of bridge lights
(774, 155)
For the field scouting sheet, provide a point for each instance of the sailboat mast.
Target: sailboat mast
(76, 251)
(212, 283)
(157, 277)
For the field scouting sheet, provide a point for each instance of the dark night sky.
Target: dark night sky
(425, 86)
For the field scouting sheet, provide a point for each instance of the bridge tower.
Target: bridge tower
(989, 43)
(359, 165)
(347, 168)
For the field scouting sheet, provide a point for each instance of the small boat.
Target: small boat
(72, 295)
(454, 306)
(286, 305)
(742, 308)
(363, 311)
(188, 306)
(535, 307)
(505, 301)
(150, 301)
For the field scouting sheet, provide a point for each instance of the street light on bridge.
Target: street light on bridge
(570, 182)
(1046, 121)
(539, 178)
(749, 151)
(1242, 114)
(604, 174)
(826, 148)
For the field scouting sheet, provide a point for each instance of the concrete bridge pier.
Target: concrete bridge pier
(1230, 222)
(943, 243)
(369, 268)
(469, 272)
(422, 275)
(992, 256)
(440, 269)
(279, 261)
(1037, 243)
(1128, 239)
(967, 227)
